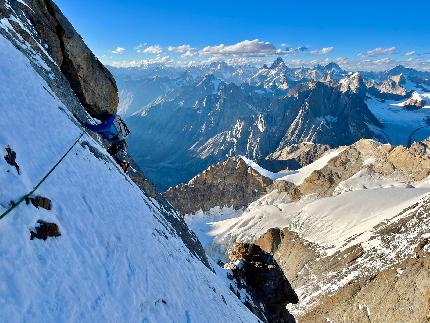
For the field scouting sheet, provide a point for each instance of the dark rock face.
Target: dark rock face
(328, 116)
(90, 80)
(259, 273)
(230, 184)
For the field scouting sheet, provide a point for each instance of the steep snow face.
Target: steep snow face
(117, 258)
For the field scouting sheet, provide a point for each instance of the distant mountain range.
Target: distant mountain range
(184, 119)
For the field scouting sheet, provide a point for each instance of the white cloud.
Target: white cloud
(379, 51)
(244, 48)
(411, 53)
(118, 50)
(385, 60)
(324, 51)
(144, 62)
(185, 50)
(153, 49)
(140, 47)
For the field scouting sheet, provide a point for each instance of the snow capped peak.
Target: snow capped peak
(354, 83)
(334, 67)
(210, 82)
(416, 96)
(416, 101)
(279, 62)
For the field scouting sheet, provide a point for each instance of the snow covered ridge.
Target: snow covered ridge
(297, 176)
(118, 258)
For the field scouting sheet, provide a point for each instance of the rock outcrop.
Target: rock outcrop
(384, 279)
(258, 273)
(394, 85)
(414, 102)
(92, 83)
(408, 165)
(229, 184)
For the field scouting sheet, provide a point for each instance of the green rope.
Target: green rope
(15, 204)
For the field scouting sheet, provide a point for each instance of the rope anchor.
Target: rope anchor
(22, 199)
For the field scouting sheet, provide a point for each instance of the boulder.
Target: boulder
(45, 230)
(260, 274)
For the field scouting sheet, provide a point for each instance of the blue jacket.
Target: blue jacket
(106, 129)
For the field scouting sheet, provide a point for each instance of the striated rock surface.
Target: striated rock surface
(394, 85)
(208, 120)
(259, 274)
(328, 116)
(229, 184)
(92, 83)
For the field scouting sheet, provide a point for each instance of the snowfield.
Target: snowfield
(399, 123)
(329, 222)
(117, 259)
(333, 223)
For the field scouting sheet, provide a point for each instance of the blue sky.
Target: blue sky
(358, 34)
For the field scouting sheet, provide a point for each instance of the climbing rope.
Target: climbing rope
(15, 204)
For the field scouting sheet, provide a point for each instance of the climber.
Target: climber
(113, 129)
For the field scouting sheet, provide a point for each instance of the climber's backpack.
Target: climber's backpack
(121, 127)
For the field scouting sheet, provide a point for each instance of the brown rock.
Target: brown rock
(258, 271)
(394, 85)
(45, 230)
(229, 184)
(404, 164)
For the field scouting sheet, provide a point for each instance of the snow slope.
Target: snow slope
(117, 259)
(329, 222)
(296, 176)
